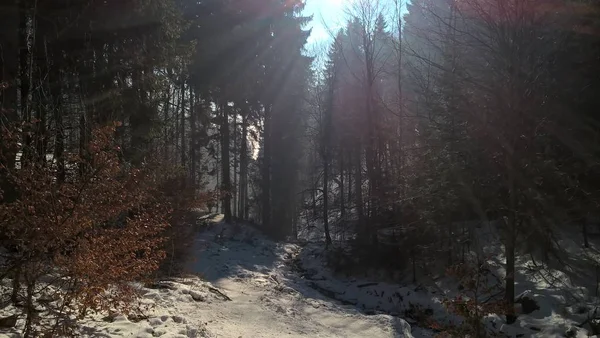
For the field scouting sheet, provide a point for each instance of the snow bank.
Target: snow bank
(165, 315)
(565, 291)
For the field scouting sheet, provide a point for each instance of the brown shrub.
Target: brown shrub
(88, 236)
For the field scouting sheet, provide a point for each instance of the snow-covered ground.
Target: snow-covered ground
(565, 292)
(240, 284)
(269, 298)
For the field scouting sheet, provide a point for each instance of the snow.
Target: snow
(269, 299)
(564, 293)
(240, 284)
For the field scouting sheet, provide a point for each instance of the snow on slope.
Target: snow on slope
(564, 293)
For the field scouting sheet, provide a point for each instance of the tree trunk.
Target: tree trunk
(41, 143)
(9, 69)
(350, 178)
(326, 201)
(84, 133)
(225, 170)
(166, 132)
(16, 284)
(509, 245)
(182, 110)
(398, 5)
(218, 172)
(243, 210)
(358, 194)
(176, 119)
(193, 135)
(59, 137)
(450, 252)
(9, 62)
(25, 79)
(342, 193)
(235, 167)
(266, 171)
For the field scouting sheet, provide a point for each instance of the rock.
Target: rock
(198, 296)
(155, 322)
(9, 321)
(571, 332)
(179, 319)
(528, 303)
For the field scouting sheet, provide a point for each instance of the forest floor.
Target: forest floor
(241, 284)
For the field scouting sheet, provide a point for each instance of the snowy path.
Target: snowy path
(270, 300)
(239, 285)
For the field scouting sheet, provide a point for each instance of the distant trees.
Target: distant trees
(462, 114)
(192, 89)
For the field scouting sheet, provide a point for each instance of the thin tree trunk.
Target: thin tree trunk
(59, 137)
(350, 178)
(342, 193)
(84, 131)
(16, 283)
(244, 169)
(25, 78)
(235, 187)
(182, 110)
(176, 119)
(358, 193)
(166, 132)
(9, 63)
(53, 87)
(226, 175)
(29, 310)
(326, 201)
(400, 99)
(218, 172)
(193, 134)
(509, 246)
(9, 73)
(266, 171)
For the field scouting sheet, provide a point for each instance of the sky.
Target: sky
(328, 18)
(328, 15)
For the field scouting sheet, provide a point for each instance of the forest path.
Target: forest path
(269, 298)
(239, 284)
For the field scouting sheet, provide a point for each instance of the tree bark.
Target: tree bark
(235, 187)
(358, 193)
(9, 68)
(25, 79)
(350, 178)
(225, 170)
(266, 171)
(193, 135)
(243, 210)
(326, 201)
(182, 110)
(342, 192)
(509, 245)
(59, 137)
(166, 133)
